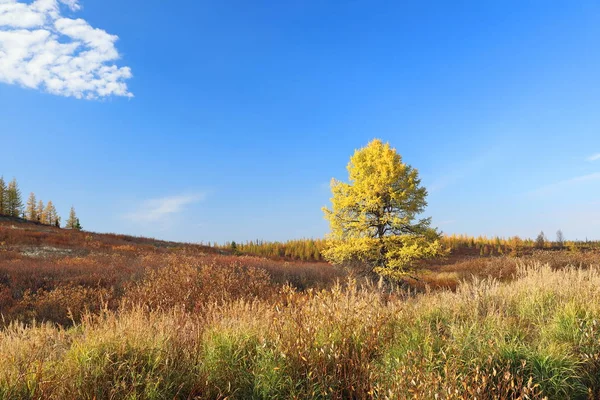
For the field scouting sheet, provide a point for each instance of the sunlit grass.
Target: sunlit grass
(535, 336)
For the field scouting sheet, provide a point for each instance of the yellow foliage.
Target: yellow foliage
(401, 252)
(372, 219)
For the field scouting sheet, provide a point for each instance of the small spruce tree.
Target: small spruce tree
(14, 204)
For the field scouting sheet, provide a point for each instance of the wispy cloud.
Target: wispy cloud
(594, 157)
(155, 210)
(42, 49)
(566, 183)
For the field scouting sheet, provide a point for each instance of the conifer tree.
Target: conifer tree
(50, 214)
(73, 221)
(41, 216)
(2, 196)
(31, 210)
(14, 204)
(373, 218)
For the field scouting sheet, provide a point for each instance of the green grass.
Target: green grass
(537, 336)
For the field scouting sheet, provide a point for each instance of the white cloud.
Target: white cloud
(41, 49)
(154, 210)
(594, 157)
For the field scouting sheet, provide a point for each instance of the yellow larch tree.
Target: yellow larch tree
(40, 211)
(373, 218)
(31, 208)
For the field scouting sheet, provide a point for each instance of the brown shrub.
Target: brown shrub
(63, 305)
(189, 286)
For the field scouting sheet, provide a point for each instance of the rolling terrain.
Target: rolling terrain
(97, 316)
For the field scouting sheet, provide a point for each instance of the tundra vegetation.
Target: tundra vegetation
(109, 316)
(106, 316)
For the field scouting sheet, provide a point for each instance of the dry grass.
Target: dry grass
(537, 336)
(131, 318)
(55, 275)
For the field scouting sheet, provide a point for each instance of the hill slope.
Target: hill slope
(141, 318)
(53, 274)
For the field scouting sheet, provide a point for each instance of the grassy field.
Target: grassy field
(90, 316)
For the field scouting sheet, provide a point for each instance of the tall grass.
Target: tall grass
(533, 337)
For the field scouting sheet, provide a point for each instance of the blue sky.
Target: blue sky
(216, 121)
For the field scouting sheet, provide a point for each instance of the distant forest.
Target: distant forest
(310, 249)
(11, 205)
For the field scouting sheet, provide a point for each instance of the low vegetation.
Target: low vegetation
(536, 336)
(109, 316)
(54, 275)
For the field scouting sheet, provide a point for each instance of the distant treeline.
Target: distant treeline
(11, 204)
(513, 245)
(301, 249)
(310, 249)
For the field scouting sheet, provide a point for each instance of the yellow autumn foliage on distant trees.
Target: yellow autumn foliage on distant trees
(299, 249)
(373, 219)
(50, 216)
(31, 210)
(11, 205)
(39, 212)
(73, 221)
